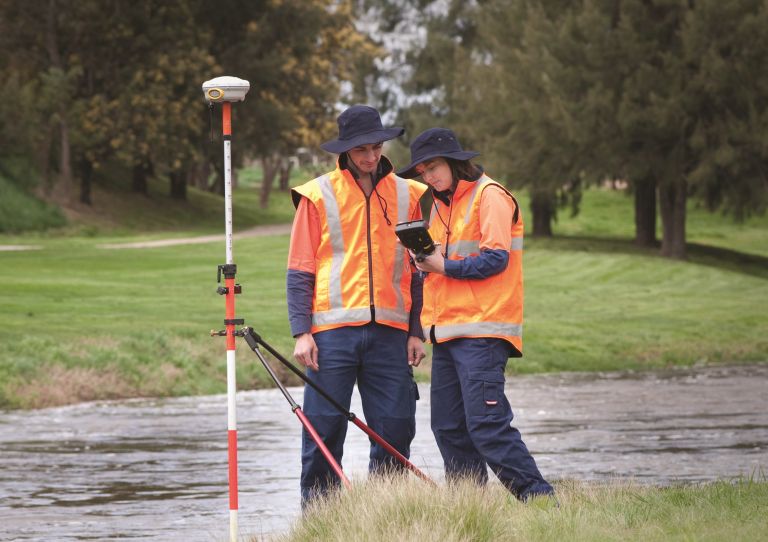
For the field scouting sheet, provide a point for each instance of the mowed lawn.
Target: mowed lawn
(79, 322)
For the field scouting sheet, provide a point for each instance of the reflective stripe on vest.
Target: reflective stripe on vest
(462, 249)
(337, 239)
(343, 316)
(481, 329)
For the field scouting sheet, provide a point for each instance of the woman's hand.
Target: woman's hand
(434, 263)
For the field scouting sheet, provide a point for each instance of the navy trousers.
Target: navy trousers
(471, 417)
(375, 356)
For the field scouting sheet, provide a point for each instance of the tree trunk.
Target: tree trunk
(62, 190)
(86, 178)
(285, 174)
(139, 183)
(645, 212)
(204, 174)
(217, 186)
(672, 201)
(178, 178)
(198, 173)
(44, 157)
(542, 209)
(270, 166)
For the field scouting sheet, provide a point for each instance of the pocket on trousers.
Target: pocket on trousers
(486, 393)
(414, 386)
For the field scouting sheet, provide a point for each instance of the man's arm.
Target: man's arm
(415, 331)
(300, 281)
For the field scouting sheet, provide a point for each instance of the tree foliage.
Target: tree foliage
(118, 82)
(669, 95)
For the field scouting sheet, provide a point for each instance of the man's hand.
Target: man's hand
(305, 351)
(415, 351)
(434, 263)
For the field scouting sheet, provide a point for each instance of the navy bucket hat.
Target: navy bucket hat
(360, 125)
(434, 143)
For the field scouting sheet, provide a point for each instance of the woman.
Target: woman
(472, 314)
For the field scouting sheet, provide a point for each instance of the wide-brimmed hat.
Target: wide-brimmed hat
(434, 143)
(360, 125)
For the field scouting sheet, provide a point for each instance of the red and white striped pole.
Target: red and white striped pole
(227, 90)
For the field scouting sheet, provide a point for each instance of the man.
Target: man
(353, 299)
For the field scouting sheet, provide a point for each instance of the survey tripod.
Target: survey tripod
(226, 90)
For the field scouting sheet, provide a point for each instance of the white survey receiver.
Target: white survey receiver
(226, 89)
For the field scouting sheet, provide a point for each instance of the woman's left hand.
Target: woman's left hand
(434, 263)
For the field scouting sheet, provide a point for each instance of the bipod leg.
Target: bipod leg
(302, 417)
(254, 340)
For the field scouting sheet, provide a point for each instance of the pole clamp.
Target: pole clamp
(223, 290)
(229, 270)
(223, 333)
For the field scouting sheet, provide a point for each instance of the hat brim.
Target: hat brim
(409, 171)
(337, 146)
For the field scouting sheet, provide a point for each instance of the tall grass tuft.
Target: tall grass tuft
(409, 510)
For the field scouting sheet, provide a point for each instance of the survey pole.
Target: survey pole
(226, 90)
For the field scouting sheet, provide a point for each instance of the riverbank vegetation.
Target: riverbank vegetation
(79, 322)
(412, 511)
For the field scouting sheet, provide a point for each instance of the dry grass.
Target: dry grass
(409, 510)
(59, 385)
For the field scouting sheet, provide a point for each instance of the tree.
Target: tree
(474, 71)
(158, 105)
(728, 95)
(40, 27)
(115, 80)
(692, 106)
(295, 55)
(667, 94)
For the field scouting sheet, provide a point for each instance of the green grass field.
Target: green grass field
(409, 510)
(78, 322)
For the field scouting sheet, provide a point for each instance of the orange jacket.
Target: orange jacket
(491, 307)
(362, 273)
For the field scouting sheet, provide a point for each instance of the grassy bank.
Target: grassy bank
(412, 511)
(118, 212)
(78, 322)
(20, 211)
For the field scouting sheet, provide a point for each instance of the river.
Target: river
(156, 469)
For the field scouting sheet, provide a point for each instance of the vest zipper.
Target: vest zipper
(368, 234)
(370, 261)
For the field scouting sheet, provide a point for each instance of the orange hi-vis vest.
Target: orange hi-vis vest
(491, 307)
(362, 273)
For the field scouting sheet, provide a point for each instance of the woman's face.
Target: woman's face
(366, 157)
(436, 173)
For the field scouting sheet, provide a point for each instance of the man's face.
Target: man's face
(366, 157)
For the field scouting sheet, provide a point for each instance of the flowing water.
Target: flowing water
(157, 469)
